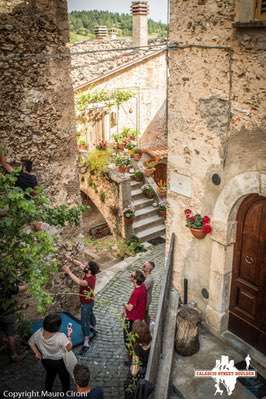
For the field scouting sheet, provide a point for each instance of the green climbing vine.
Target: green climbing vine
(27, 255)
(106, 98)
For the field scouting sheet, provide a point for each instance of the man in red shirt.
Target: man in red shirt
(86, 291)
(135, 309)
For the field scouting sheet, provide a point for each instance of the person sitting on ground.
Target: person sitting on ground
(26, 179)
(8, 315)
(87, 298)
(82, 381)
(135, 308)
(50, 345)
(140, 357)
(148, 267)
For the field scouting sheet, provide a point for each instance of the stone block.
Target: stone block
(216, 321)
(263, 184)
(219, 290)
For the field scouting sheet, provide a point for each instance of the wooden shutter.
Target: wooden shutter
(261, 10)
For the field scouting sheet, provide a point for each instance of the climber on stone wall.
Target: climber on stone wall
(26, 179)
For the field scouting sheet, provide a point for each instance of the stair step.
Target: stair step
(135, 183)
(149, 221)
(137, 194)
(142, 203)
(151, 232)
(143, 213)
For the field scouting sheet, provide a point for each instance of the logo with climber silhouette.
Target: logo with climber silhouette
(225, 374)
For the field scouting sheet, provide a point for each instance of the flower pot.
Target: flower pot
(137, 157)
(162, 213)
(149, 172)
(123, 169)
(138, 178)
(121, 147)
(149, 194)
(162, 193)
(198, 233)
(83, 147)
(129, 221)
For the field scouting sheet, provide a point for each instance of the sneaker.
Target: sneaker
(84, 350)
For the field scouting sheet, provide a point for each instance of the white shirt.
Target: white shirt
(53, 347)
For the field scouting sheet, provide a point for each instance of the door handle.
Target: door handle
(249, 259)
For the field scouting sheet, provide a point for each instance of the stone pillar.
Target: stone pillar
(37, 118)
(140, 11)
(101, 33)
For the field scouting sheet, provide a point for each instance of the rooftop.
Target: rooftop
(90, 62)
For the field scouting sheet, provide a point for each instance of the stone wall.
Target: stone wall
(217, 123)
(111, 193)
(146, 111)
(36, 109)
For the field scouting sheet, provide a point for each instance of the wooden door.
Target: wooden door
(160, 174)
(247, 313)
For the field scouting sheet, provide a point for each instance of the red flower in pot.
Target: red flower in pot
(198, 225)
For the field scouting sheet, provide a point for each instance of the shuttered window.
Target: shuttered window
(261, 10)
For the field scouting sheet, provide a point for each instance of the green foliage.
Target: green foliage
(27, 255)
(85, 22)
(107, 98)
(135, 246)
(102, 196)
(122, 160)
(99, 160)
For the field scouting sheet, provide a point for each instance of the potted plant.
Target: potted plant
(198, 225)
(138, 175)
(123, 163)
(148, 191)
(162, 188)
(130, 148)
(119, 141)
(101, 145)
(149, 168)
(162, 209)
(137, 154)
(129, 214)
(82, 144)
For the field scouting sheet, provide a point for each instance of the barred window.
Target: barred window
(261, 10)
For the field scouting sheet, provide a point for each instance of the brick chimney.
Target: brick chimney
(140, 11)
(101, 33)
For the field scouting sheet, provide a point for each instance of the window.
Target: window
(250, 13)
(261, 10)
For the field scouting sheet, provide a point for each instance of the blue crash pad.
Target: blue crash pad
(77, 336)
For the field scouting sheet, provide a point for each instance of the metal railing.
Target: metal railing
(146, 385)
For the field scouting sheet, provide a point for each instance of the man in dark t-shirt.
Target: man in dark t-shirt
(25, 179)
(8, 314)
(82, 381)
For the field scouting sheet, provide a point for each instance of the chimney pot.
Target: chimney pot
(140, 11)
(101, 32)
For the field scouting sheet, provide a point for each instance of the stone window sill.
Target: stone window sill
(247, 25)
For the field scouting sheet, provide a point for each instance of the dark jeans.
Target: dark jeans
(127, 329)
(54, 367)
(88, 320)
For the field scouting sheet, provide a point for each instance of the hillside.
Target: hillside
(83, 23)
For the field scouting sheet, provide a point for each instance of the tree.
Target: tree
(27, 255)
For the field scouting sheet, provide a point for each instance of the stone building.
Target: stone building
(108, 64)
(37, 108)
(217, 160)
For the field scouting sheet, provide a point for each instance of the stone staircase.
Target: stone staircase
(147, 224)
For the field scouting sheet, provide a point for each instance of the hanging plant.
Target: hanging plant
(198, 225)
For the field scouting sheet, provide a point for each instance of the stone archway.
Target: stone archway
(224, 238)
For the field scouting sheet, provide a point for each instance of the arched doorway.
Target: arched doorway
(247, 309)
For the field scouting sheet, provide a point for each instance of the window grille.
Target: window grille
(261, 10)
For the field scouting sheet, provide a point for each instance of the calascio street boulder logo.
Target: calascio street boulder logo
(225, 374)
